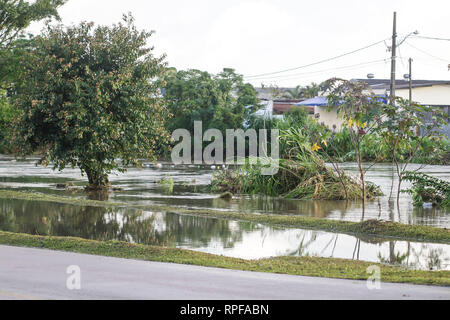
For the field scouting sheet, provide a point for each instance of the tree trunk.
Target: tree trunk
(97, 180)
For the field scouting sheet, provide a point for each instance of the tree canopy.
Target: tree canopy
(221, 101)
(91, 97)
(16, 15)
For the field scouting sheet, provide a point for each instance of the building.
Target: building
(325, 115)
(433, 93)
(275, 102)
(425, 92)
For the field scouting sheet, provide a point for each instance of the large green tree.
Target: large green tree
(221, 101)
(15, 17)
(91, 98)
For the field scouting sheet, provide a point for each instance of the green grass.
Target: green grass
(368, 228)
(302, 266)
(30, 196)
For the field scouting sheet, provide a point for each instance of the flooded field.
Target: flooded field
(237, 239)
(190, 184)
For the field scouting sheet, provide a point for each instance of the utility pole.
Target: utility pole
(410, 79)
(393, 60)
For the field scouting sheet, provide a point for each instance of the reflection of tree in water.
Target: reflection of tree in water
(423, 258)
(301, 251)
(99, 223)
(429, 216)
(395, 258)
(46, 218)
(312, 208)
(435, 259)
(199, 231)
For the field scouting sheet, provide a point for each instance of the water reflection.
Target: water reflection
(230, 238)
(189, 190)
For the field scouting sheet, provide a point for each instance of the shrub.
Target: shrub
(428, 189)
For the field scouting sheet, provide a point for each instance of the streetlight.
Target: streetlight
(409, 35)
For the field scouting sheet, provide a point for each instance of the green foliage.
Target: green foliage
(296, 93)
(221, 101)
(298, 127)
(299, 92)
(16, 15)
(168, 184)
(12, 60)
(304, 176)
(342, 146)
(90, 97)
(433, 150)
(399, 129)
(7, 114)
(428, 189)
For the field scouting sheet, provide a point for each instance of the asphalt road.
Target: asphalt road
(42, 274)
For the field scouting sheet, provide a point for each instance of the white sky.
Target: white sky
(262, 36)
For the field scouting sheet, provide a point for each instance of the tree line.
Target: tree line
(97, 98)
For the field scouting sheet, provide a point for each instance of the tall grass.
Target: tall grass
(295, 180)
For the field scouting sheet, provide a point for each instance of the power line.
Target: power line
(293, 76)
(316, 63)
(428, 54)
(432, 38)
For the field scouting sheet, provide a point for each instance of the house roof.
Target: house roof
(385, 84)
(317, 101)
(323, 101)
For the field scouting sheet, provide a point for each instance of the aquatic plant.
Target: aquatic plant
(168, 184)
(428, 189)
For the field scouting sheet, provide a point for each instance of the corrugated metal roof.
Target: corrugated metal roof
(383, 84)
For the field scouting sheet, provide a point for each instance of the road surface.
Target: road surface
(42, 274)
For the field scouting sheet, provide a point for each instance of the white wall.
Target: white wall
(329, 118)
(434, 95)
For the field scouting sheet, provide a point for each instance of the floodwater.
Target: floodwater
(245, 240)
(141, 186)
(230, 238)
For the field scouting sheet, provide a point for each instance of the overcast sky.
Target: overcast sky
(263, 36)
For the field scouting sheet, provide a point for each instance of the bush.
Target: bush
(295, 180)
(427, 189)
(7, 114)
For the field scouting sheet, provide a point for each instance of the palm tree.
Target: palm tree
(311, 91)
(294, 94)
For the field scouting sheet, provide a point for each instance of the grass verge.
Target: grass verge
(380, 229)
(302, 266)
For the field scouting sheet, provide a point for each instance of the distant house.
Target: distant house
(324, 115)
(433, 93)
(274, 103)
(426, 92)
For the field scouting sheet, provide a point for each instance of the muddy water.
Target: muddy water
(229, 238)
(235, 239)
(190, 182)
